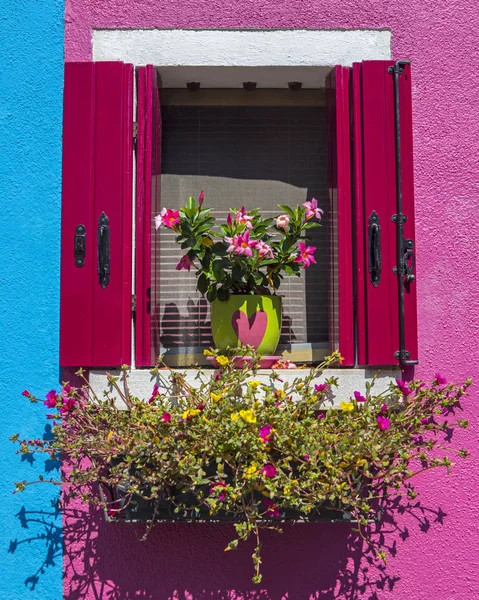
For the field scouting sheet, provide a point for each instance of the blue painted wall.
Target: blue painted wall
(31, 84)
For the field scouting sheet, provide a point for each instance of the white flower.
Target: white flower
(282, 221)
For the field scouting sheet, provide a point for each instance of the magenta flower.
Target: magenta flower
(167, 217)
(51, 400)
(184, 263)
(383, 423)
(320, 387)
(425, 421)
(68, 405)
(229, 220)
(200, 406)
(154, 394)
(239, 244)
(359, 397)
(265, 433)
(305, 255)
(222, 491)
(312, 210)
(321, 415)
(306, 457)
(166, 417)
(272, 509)
(440, 379)
(384, 408)
(269, 471)
(201, 198)
(262, 248)
(402, 385)
(243, 219)
(26, 393)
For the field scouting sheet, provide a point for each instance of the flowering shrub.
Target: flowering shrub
(245, 255)
(255, 452)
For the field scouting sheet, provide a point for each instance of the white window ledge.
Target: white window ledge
(141, 381)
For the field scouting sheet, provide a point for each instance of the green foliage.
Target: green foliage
(236, 447)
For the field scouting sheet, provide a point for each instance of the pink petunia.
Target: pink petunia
(51, 400)
(68, 405)
(440, 379)
(243, 219)
(222, 491)
(320, 387)
(167, 217)
(265, 433)
(312, 210)
(262, 248)
(184, 263)
(384, 408)
(239, 244)
(305, 255)
(383, 423)
(272, 509)
(359, 397)
(26, 393)
(166, 417)
(269, 471)
(402, 385)
(154, 394)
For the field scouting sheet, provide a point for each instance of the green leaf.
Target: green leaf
(211, 295)
(289, 211)
(219, 248)
(202, 284)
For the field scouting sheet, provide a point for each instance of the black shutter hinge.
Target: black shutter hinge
(408, 258)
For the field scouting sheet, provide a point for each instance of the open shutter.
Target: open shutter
(96, 251)
(341, 328)
(379, 327)
(148, 163)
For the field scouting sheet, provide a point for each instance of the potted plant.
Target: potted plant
(232, 448)
(240, 264)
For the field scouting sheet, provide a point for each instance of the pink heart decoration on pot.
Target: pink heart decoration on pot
(250, 331)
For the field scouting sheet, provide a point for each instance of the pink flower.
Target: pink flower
(166, 417)
(384, 408)
(26, 393)
(154, 394)
(184, 263)
(229, 220)
(201, 198)
(312, 210)
(269, 471)
(321, 415)
(402, 385)
(272, 509)
(306, 457)
(359, 397)
(262, 248)
(222, 491)
(200, 406)
(51, 400)
(425, 421)
(282, 221)
(68, 405)
(440, 379)
(305, 255)
(320, 387)
(243, 219)
(383, 423)
(239, 244)
(167, 217)
(265, 433)
(284, 364)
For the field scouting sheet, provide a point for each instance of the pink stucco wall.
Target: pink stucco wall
(437, 556)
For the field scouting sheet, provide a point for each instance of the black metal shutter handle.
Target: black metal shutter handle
(103, 251)
(374, 249)
(79, 245)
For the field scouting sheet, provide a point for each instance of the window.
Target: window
(254, 148)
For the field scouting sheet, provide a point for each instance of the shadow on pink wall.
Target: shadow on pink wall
(188, 562)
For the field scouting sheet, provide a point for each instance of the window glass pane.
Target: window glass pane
(259, 157)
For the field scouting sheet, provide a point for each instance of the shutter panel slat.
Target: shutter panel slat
(147, 198)
(374, 174)
(341, 259)
(97, 167)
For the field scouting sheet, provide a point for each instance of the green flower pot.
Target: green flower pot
(247, 320)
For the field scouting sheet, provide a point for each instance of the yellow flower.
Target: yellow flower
(287, 489)
(251, 471)
(346, 406)
(205, 419)
(248, 416)
(253, 384)
(208, 352)
(191, 412)
(280, 394)
(235, 416)
(300, 386)
(206, 241)
(222, 360)
(216, 397)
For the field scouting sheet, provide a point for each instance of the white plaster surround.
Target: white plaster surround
(226, 58)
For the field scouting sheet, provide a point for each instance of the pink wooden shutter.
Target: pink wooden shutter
(341, 329)
(95, 316)
(148, 165)
(374, 183)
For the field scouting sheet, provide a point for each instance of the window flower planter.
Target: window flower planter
(237, 450)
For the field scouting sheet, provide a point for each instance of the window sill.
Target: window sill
(141, 381)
